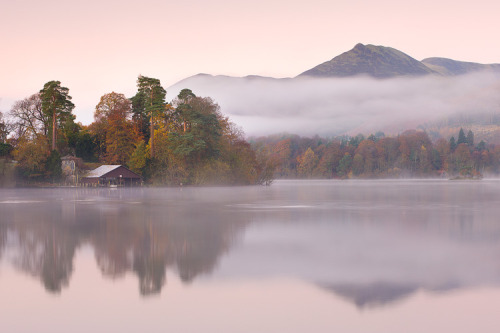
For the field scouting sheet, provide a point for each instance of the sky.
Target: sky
(98, 46)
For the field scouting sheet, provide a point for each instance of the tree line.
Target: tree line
(189, 141)
(409, 154)
(185, 141)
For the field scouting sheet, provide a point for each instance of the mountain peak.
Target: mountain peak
(359, 46)
(372, 60)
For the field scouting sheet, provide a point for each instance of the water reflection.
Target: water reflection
(144, 237)
(371, 243)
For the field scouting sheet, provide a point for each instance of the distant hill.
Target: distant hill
(375, 61)
(371, 60)
(450, 67)
(369, 88)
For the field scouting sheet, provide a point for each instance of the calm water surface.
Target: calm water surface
(299, 256)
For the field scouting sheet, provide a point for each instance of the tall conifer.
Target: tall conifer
(56, 105)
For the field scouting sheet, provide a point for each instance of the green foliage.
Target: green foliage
(453, 144)
(5, 149)
(152, 93)
(185, 94)
(355, 141)
(344, 165)
(70, 132)
(4, 131)
(461, 137)
(481, 146)
(56, 105)
(53, 166)
(148, 102)
(86, 147)
(470, 138)
(186, 145)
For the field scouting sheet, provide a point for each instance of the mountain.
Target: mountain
(355, 99)
(375, 61)
(450, 67)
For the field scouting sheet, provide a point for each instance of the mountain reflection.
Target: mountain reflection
(372, 295)
(370, 243)
(144, 237)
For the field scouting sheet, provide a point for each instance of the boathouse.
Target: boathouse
(112, 175)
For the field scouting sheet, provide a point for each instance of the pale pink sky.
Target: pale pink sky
(97, 46)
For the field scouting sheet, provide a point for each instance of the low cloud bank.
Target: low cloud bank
(310, 106)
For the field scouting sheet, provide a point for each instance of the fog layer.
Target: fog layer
(348, 105)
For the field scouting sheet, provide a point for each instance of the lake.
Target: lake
(298, 256)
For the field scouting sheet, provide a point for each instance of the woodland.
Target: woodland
(188, 141)
(409, 154)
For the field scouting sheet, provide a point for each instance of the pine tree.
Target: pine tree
(461, 137)
(453, 144)
(470, 139)
(149, 102)
(56, 105)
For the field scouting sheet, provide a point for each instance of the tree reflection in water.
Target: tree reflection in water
(144, 236)
(371, 243)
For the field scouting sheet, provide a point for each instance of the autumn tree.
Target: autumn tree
(413, 157)
(387, 153)
(283, 152)
(31, 157)
(307, 163)
(460, 160)
(442, 147)
(368, 152)
(56, 106)
(114, 128)
(327, 166)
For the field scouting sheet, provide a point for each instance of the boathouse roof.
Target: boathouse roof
(112, 171)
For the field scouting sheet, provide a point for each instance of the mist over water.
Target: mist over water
(372, 246)
(309, 106)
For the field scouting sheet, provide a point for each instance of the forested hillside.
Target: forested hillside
(410, 154)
